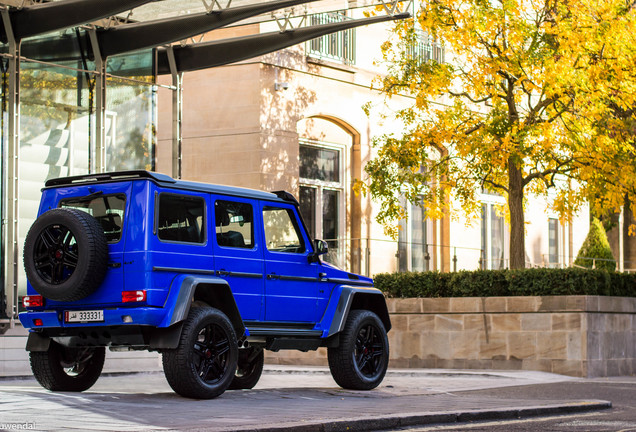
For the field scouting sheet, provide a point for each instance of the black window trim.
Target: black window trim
(187, 196)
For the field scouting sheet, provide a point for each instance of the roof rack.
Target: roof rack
(111, 176)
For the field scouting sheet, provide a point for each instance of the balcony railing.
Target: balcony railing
(426, 49)
(339, 47)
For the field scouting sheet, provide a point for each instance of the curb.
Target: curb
(443, 417)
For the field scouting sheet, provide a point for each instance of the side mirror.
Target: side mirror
(320, 248)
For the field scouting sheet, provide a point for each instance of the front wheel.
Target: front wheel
(362, 357)
(203, 364)
(67, 369)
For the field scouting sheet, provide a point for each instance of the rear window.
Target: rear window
(181, 218)
(107, 209)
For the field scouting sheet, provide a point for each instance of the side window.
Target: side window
(234, 224)
(181, 218)
(107, 209)
(281, 231)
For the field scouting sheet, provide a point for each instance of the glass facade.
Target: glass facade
(130, 111)
(57, 129)
(130, 132)
(3, 157)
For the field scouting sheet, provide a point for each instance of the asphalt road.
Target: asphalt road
(621, 391)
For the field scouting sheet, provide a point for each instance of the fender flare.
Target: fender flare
(371, 299)
(209, 289)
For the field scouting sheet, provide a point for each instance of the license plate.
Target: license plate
(84, 316)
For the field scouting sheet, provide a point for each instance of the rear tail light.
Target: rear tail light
(133, 296)
(31, 301)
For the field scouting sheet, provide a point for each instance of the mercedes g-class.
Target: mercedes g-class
(207, 275)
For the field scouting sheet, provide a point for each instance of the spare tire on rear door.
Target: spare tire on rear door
(65, 254)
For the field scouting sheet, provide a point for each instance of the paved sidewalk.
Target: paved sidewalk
(286, 399)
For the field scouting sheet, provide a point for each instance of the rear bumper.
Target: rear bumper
(146, 316)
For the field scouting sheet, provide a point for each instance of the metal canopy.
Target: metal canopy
(131, 37)
(225, 51)
(47, 17)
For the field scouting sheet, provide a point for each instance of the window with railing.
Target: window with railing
(413, 249)
(339, 47)
(553, 242)
(426, 49)
(492, 238)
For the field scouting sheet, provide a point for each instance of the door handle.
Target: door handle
(272, 276)
(222, 273)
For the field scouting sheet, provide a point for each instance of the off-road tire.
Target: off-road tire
(65, 254)
(204, 363)
(249, 369)
(361, 359)
(67, 369)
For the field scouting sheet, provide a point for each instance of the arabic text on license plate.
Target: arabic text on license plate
(84, 316)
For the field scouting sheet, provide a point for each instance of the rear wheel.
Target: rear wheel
(361, 359)
(204, 363)
(67, 369)
(249, 369)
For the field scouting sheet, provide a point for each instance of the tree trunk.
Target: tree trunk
(517, 220)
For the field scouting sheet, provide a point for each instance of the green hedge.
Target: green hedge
(491, 283)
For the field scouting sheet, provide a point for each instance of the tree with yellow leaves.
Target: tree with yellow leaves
(534, 95)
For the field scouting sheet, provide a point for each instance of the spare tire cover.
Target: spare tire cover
(65, 254)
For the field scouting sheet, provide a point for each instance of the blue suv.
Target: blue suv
(207, 275)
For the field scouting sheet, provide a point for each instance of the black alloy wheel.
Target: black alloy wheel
(361, 359)
(212, 351)
(369, 350)
(56, 254)
(203, 364)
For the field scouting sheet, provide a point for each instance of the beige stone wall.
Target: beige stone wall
(572, 335)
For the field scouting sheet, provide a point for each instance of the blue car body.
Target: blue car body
(221, 253)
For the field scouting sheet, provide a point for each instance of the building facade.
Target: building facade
(294, 120)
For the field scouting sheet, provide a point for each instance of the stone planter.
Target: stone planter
(584, 336)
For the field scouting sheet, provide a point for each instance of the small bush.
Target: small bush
(596, 246)
(496, 283)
